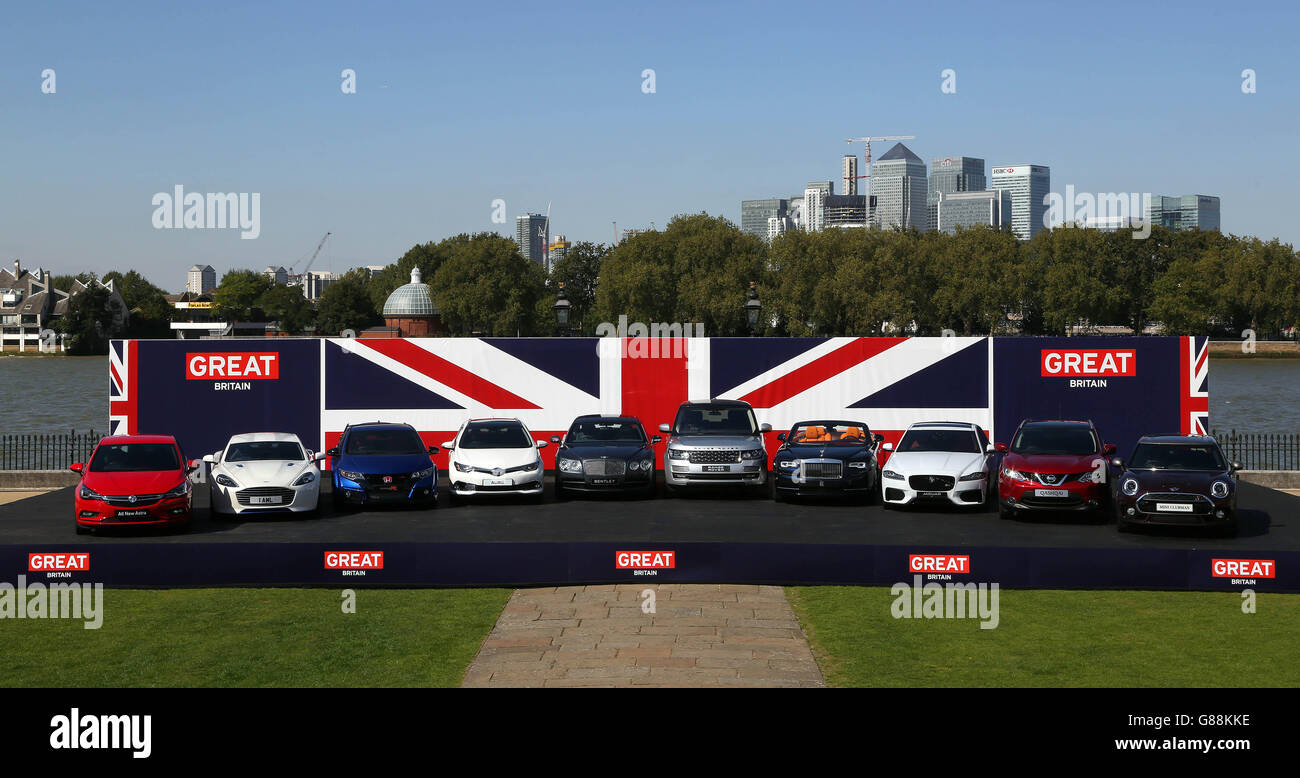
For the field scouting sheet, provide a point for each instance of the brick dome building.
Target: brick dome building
(410, 310)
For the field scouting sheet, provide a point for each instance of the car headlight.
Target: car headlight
(1219, 489)
(788, 463)
(179, 491)
(225, 480)
(569, 465)
(1093, 477)
(752, 453)
(892, 474)
(975, 476)
(90, 494)
(463, 468)
(529, 468)
(1129, 487)
(859, 465)
(420, 475)
(351, 476)
(676, 453)
(643, 464)
(1013, 474)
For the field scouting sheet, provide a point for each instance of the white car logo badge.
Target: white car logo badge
(497, 471)
(132, 498)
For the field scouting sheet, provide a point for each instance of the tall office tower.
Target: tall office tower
(1187, 212)
(899, 186)
(844, 211)
(201, 279)
(755, 214)
(814, 208)
(850, 174)
(825, 187)
(969, 209)
(952, 174)
(1029, 186)
(531, 235)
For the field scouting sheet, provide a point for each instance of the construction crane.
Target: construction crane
(867, 161)
(314, 254)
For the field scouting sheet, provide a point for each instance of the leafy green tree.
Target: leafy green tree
(93, 317)
(288, 306)
(579, 271)
(346, 304)
(978, 280)
(150, 311)
(487, 286)
(426, 256)
(236, 298)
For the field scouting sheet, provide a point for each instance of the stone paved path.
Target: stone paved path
(714, 635)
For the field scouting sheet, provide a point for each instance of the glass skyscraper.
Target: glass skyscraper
(1187, 212)
(755, 215)
(1029, 186)
(531, 235)
(949, 175)
(899, 187)
(970, 209)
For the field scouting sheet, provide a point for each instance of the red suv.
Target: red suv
(134, 480)
(1054, 466)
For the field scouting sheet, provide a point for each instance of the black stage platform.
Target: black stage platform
(716, 538)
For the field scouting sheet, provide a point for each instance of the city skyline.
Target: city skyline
(421, 151)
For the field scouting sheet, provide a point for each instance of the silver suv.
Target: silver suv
(715, 443)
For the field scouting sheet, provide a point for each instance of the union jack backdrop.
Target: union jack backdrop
(205, 391)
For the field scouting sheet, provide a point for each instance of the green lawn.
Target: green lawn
(1056, 638)
(256, 637)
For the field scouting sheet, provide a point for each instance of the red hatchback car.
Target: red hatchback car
(1054, 466)
(134, 480)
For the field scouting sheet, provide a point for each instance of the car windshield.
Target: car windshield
(135, 458)
(958, 441)
(715, 420)
(1073, 441)
(604, 432)
(264, 449)
(494, 435)
(384, 442)
(829, 434)
(1166, 456)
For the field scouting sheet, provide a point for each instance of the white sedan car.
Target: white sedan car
(937, 463)
(264, 472)
(494, 456)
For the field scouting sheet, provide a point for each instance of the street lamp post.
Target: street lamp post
(561, 309)
(752, 308)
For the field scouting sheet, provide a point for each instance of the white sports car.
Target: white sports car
(937, 462)
(494, 456)
(264, 472)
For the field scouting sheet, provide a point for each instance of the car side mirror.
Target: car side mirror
(193, 465)
(1117, 462)
(210, 459)
(765, 428)
(876, 436)
(665, 428)
(989, 448)
(888, 447)
(555, 439)
(77, 467)
(1001, 448)
(1109, 448)
(780, 436)
(1236, 466)
(334, 452)
(656, 439)
(433, 450)
(319, 456)
(446, 445)
(542, 444)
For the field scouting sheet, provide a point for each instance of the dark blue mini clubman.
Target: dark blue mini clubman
(381, 463)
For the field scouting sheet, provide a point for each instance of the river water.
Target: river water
(56, 394)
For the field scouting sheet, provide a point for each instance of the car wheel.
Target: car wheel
(672, 491)
(560, 494)
(82, 530)
(1006, 513)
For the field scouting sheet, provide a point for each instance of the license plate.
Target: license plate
(498, 482)
(604, 481)
(1174, 507)
(265, 500)
(1051, 492)
(716, 469)
(132, 513)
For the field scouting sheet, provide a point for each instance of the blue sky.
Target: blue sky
(460, 104)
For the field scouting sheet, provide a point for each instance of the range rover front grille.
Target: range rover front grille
(726, 457)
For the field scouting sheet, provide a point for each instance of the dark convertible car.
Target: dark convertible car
(1179, 480)
(826, 458)
(605, 454)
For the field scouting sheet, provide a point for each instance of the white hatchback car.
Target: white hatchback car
(494, 456)
(939, 462)
(264, 472)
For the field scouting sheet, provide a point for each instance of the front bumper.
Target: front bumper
(1207, 511)
(962, 493)
(292, 499)
(793, 482)
(680, 473)
(577, 482)
(525, 482)
(356, 493)
(1027, 496)
(102, 513)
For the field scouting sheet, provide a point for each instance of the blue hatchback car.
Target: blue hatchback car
(381, 463)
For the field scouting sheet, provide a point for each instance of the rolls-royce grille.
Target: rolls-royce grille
(823, 469)
(932, 483)
(245, 496)
(604, 467)
(715, 457)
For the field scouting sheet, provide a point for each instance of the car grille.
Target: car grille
(377, 480)
(931, 483)
(823, 469)
(1200, 505)
(141, 501)
(1053, 479)
(245, 496)
(715, 457)
(604, 467)
(504, 470)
